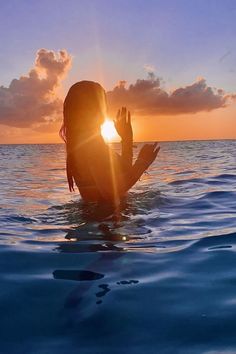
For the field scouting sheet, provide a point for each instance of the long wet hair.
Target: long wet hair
(84, 111)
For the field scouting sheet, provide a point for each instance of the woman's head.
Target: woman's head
(84, 110)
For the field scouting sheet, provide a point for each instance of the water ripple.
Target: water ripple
(160, 277)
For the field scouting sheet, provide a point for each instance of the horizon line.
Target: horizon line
(118, 142)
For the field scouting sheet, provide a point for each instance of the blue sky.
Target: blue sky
(113, 40)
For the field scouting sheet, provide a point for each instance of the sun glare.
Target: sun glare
(108, 130)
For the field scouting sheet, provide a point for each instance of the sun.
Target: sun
(108, 130)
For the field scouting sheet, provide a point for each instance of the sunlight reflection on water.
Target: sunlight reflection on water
(169, 260)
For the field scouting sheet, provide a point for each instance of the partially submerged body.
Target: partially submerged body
(101, 174)
(92, 171)
(98, 171)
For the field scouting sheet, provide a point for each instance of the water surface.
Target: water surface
(162, 280)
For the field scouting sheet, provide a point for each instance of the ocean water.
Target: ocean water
(161, 280)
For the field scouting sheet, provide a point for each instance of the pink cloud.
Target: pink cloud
(32, 99)
(147, 97)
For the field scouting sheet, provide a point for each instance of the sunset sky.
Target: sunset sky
(177, 57)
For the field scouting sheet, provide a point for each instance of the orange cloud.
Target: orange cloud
(32, 100)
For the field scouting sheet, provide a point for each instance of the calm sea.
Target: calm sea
(162, 280)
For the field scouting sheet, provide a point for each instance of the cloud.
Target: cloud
(32, 100)
(150, 69)
(147, 97)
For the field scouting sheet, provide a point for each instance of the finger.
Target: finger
(118, 114)
(129, 118)
(122, 116)
(150, 147)
(154, 145)
(157, 150)
(125, 114)
(155, 155)
(145, 147)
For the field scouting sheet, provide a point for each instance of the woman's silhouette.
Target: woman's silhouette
(99, 172)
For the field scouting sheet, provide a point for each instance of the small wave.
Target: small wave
(225, 176)
(19, 218)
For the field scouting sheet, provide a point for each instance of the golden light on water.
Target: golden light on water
(108, 130)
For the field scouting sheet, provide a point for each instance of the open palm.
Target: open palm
(123, 124)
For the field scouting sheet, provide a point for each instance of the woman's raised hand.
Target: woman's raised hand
(147, 154)
(123, 124)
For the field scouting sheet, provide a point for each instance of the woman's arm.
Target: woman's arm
(111, 182)
(146, 156)
(127, 153)
(124, 129)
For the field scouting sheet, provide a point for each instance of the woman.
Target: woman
(99, 173)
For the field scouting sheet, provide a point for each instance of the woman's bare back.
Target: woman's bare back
(82, 162)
